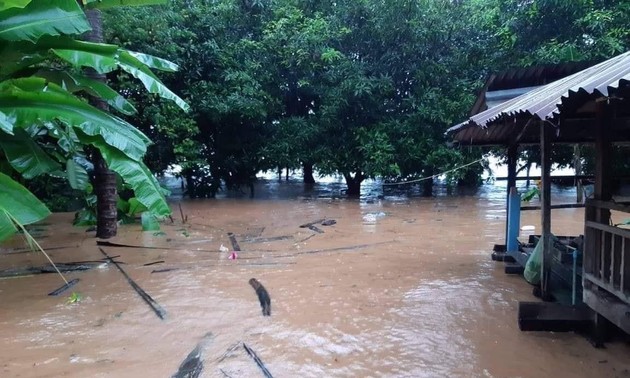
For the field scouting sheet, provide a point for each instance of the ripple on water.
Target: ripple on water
(431, 323)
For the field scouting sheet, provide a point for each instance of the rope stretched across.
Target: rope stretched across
(435, 175)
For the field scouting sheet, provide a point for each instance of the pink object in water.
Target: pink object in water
(233, 256)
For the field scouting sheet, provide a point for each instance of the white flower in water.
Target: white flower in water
(223, 248)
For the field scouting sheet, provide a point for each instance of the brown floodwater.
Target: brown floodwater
(399, 287)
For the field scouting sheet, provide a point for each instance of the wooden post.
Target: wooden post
(603, 151)
(545, 199)
(595, 240)
(577, 165)
(512, 155)
(601, 246)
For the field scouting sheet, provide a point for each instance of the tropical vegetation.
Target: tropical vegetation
(360, 88)
(355, 88)
(47, 127)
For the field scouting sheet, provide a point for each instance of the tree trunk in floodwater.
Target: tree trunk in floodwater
(106, 195)
(427, 185)
(105, 179)
(308, 173)
(286, 178)
(529, 166)
(354, 184)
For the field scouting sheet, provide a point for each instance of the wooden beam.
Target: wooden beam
(577, 165)
(545, 201)
(593, 241)
(617, 206)
(559, 206)
(603, 152)
(608, 306)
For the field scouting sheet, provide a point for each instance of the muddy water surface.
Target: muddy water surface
(397, 287)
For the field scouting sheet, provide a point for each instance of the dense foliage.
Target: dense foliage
(358, 88)
(45, 124)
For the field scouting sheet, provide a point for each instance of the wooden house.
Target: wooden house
(591, 106)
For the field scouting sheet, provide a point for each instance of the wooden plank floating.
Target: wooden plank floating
(64, 268)
(307, 225)
(159, 311)
(258, 361)
(94, 261)
(153, 263)
(119, 245)
(348, 248)
(316, 229)
(192, 366)
(234, 242)
(268, 239)
(27, 250)
(164, 270)
(64, 287)
(225, 374)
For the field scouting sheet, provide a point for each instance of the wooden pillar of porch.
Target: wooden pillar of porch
(603, 161)
(602, 192)
(545, 199)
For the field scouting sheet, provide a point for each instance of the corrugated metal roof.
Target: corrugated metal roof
(535, 75)
(544, 103)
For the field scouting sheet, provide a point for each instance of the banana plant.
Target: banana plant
(45, 123)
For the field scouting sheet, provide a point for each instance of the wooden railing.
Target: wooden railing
(607, 250)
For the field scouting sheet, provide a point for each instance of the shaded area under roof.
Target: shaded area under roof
(568, 103)
(524, 78)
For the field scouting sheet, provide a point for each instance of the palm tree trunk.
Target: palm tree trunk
(105, 179)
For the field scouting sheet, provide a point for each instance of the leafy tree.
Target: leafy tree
(298, 47)
(221, 78)
(358, 88)
(45, 125)
(534, 32)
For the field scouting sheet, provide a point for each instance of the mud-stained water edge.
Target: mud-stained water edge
(397, 287)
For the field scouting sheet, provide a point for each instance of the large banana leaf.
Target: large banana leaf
(39, 18)
(102, 63)
(103, 4)
(103, 58)
(154, 62)
(25, 155)
(77, 175)
(20, 55)
(6, 4)
(33, 100)
(140, 71)
(76, 82)
(21, 204)
(145, 186)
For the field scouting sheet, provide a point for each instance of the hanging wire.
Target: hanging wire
(435, 175)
